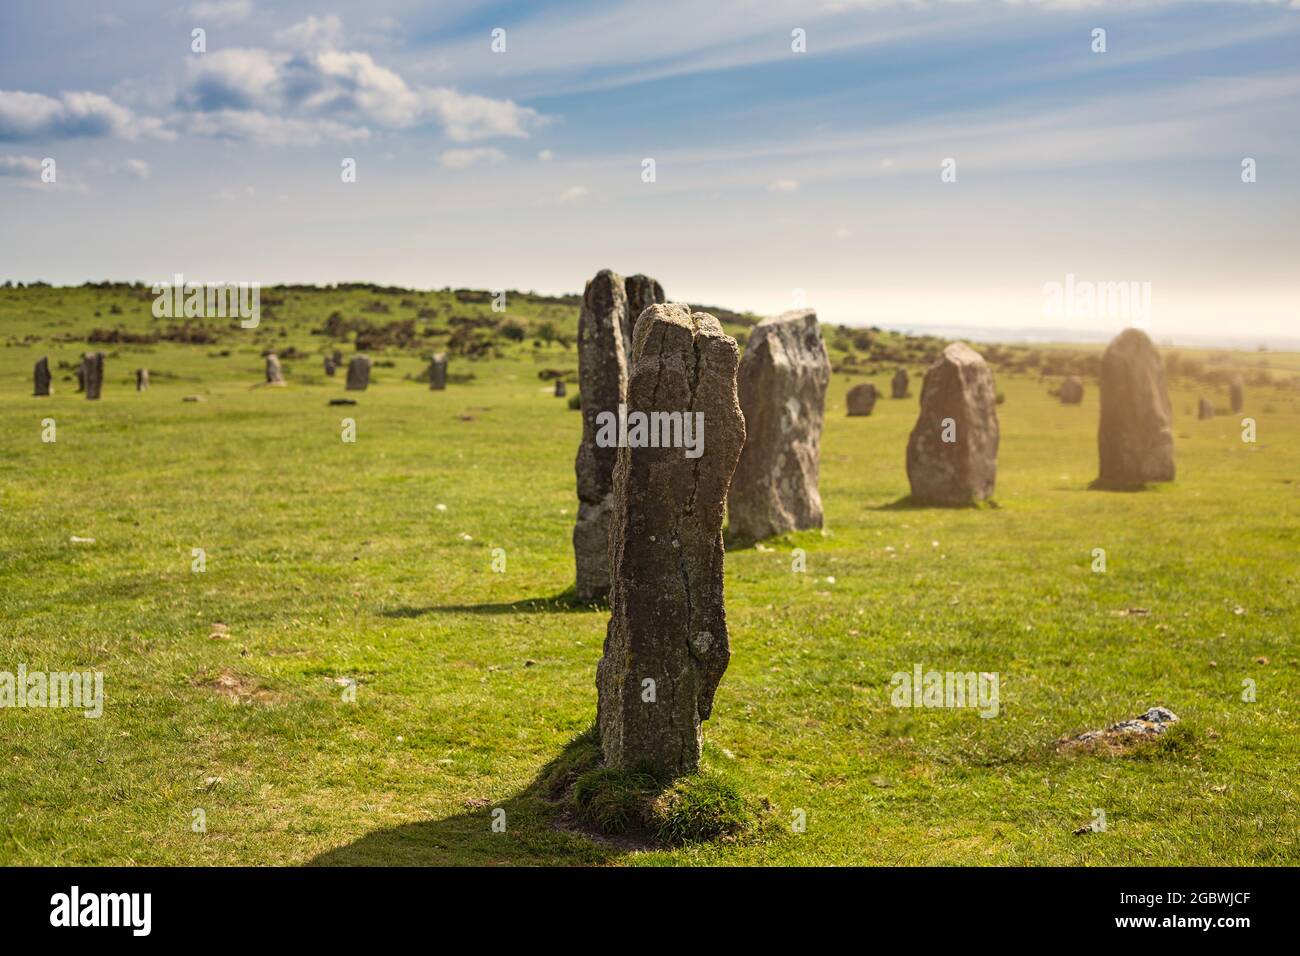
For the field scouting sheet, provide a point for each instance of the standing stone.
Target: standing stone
(92, 373)
(559, 388)
(43, 382)
(1135, 439)
(642, 292)
(1071, 391)
(81, 376)
(861, 399)
(438, 372)
(602, 380)
(1205, 409)
(898, 386)
(338, 358)
(952, 455)
(141, 379)
(330, 366)
(1237, 394)
(358, 373)
(274, 374)
(782, 387)
(666, 646)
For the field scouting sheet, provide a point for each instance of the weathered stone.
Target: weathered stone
(1204, 409)
(43, 384)
(81, 376)
(559, 388)
(92, 373)
(330, 366)
(438, 372)
(642, 292)
(274, 374)
(861, 399)
(898, 385)
(602, 380)
(782, 387)
(141, 379)
(952, 454)
(338, 358)
(666, 646)
(1135, 438)
(1071, 390)
(1237, 394)
(358, 373)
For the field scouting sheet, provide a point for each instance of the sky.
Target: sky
(886, 162)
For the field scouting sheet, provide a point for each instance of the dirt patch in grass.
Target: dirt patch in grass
(236, 687)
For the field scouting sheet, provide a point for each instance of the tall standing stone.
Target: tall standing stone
(1204, 409)
(1237, 394)
(782, 387)
(438, 372)
(666, 646)
(602, 380)
(861, 399)
(274, 374)
(358, 373)
(642, 292)
(560, 390)
(43, 383)
(92, 374)
(141, 379)
(330, 366)
(1135, 438)
(1071, 392)
(898, 385)
(952, 454)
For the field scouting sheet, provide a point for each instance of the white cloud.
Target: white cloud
(573, 193)
(20, 166)
(338, 83)
(270, 130)
(222, 12)
(31, 116)
(467, 117)
(783, 186)
(136, 169)
(546, 155)
(314, 33)
(465, 158)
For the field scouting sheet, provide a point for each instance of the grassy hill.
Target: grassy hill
(372, 562)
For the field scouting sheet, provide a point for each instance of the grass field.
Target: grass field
(372, 560)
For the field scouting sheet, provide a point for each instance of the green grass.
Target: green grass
(328, 560)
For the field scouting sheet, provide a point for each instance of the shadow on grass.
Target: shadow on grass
(1098, 485)
(564, 602)
(908, 503)
(537, 828)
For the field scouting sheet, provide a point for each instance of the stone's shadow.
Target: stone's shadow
(908, 503)
(537, 828)
(1098, 485)
(565, 602)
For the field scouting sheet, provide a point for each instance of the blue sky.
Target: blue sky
(776, 171)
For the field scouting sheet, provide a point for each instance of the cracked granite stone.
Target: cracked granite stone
(952, 454)
(782, 389)
(1135, 437)
(666, 646)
